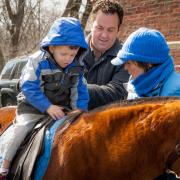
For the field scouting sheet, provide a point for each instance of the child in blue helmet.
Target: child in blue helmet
(51, 81)
(146, 56)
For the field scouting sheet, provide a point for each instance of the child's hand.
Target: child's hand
(56, 112)
(75, 111)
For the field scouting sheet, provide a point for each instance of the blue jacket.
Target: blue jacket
(171, 86)
(64, 31)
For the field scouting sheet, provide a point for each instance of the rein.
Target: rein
(168, 173)
(173, 156)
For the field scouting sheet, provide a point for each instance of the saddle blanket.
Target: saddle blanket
(42, 161)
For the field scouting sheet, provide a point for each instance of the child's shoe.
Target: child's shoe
(3, 173)
(3, 176)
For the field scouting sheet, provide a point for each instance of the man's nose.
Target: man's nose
(104, 34)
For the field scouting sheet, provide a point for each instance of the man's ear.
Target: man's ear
(119, 27)
(51, 49)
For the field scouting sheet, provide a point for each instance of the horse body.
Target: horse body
(131, 142)
(117, 142)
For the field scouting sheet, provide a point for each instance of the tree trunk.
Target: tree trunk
(86, 13)
(68, 8)
(15, 25)
(2, 61)
(73, 7)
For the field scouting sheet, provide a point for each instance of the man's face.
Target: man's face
(104, 31)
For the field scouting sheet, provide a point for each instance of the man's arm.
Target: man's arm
(112, 91)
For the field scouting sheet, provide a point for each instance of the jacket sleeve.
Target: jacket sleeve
(30, 83)
(112, 91)
(79, 94)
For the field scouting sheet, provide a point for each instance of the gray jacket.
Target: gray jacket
(105, 81)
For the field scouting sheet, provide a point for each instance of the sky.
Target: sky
(50, 3)
(60, 3)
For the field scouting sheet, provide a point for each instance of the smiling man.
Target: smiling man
(105, 81)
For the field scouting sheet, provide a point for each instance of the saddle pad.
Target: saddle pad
(43, 160)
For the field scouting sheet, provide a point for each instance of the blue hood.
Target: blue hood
(65, 31)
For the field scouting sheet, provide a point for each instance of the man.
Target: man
(105, 81)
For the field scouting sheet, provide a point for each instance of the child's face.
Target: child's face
(63, 55)
(133, 69)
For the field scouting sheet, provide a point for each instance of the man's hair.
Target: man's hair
(109, 7)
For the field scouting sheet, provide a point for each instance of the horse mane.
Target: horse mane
(126, 110)
(132, 102)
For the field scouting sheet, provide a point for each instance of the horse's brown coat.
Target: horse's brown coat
(131, 142)
(7, 114)
(118, 142)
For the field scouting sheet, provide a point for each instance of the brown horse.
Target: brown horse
(130, 141)
(7, 114)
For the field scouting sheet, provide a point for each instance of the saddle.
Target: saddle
(22, 165)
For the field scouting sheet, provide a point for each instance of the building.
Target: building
(163, 15)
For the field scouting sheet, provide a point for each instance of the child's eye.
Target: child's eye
(73, 55)
(63, 54)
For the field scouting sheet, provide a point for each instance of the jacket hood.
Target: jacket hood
(65, 31)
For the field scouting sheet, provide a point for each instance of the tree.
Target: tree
(23, 23)
(20, 26)
(14, 19)
(86, 14)
(1, 59)
(73, 9)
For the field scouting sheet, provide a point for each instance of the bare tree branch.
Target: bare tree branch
(86, 13)
(68, 8)
(2, 61)
(23, 24)
(9, 10)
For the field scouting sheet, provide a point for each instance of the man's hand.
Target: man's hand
(56, 112)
